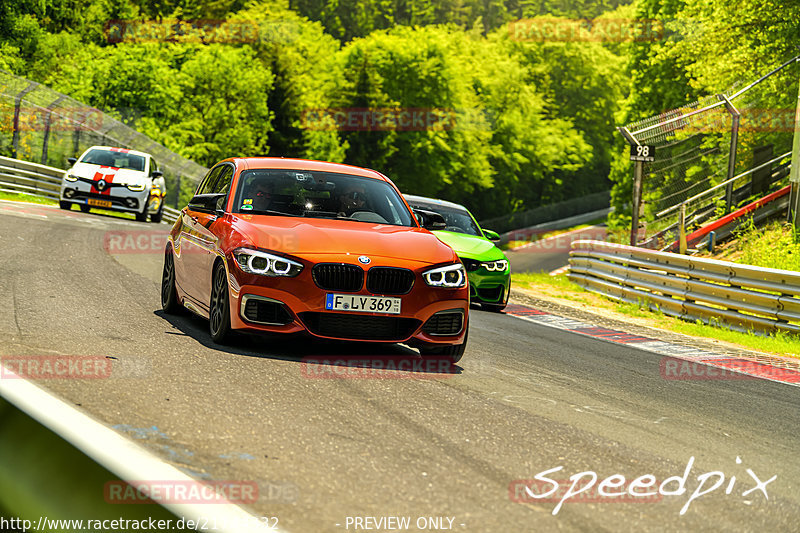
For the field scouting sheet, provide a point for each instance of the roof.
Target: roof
(305, 164)
(410, 198)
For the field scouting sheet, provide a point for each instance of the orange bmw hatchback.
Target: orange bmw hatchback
(295, 246)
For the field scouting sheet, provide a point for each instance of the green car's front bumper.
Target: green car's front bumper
(487, 287)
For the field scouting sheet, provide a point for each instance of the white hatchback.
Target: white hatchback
(117, 179)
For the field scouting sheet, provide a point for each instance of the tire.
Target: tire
(85, 208)
(64, 205)
(142, 217)
(495, 308)
(219, 316)
(452, 353)
(156, 217)
(169, 294)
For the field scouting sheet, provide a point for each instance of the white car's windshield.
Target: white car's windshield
(111, 158)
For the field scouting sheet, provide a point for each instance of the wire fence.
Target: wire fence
(41, 125)
(711, 156)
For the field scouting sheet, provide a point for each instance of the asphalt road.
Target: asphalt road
(525, 399)
(551, 253)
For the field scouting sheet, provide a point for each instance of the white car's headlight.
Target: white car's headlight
(70, 177)
(496, 266)
(135, 187)
(255, 262)
(450, 276)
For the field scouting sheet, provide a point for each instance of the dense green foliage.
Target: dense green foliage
(511, 122)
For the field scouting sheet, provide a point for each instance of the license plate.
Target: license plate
(99, 203)
(366, 304)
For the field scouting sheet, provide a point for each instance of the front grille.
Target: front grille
(445, 323)
(388, 280)
(471, 265)
(491, 295)
(338, 277)
(266, 312)
(361, 327)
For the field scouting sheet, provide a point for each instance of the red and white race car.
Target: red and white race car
(115, 178)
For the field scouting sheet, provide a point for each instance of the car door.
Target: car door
(191, 247)
(206, 232)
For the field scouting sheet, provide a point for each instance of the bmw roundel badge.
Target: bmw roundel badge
(364, 260)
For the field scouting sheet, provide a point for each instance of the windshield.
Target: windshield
(303, 193)
(112, 158)
(457, 219)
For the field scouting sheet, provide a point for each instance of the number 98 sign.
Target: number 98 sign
(643, 152)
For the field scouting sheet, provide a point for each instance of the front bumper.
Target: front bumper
(116, 197)
(489, 287)
(429, 315)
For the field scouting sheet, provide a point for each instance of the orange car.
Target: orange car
(289, 246)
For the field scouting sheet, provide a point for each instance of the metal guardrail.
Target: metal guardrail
(731, 295)
(19, 176)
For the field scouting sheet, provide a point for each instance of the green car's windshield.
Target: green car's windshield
(457, 219)
(303, 193)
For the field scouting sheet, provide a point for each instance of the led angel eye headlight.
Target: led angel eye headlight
(449, 277)
(496, 266)
(135, 187)
(265, 264)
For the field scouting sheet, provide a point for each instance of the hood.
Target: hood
(313, 237)
(471, 246)
(111, 174)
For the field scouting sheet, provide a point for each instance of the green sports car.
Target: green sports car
(487, 266)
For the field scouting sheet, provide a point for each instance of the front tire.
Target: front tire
(142, 217)
(219, 320)
(64, 205)
(156, 217)
(452, 353)
(169, 294)
(495, 308)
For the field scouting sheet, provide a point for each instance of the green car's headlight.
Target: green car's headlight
(449, 277)
(496, 266)
(256, 262)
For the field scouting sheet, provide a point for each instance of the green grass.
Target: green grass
(560, 287)
(27, 198)
(20, 197)
(773, 246)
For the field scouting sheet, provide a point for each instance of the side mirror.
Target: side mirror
(72, 160)
(156, 174)
(430, 220)
(491, 235)
(211, 203)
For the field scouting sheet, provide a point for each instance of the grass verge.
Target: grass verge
(29, 198)
(560, 288)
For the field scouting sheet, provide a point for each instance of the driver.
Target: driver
(261, 192)
(352, 198)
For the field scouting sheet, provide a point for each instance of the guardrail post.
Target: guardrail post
(735, 118)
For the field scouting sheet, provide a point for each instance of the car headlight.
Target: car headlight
(70, 177)
(496, 266)
(255, 262)
(135, 187)
(450, 276)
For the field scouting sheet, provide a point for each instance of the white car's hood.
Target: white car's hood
(109, 174)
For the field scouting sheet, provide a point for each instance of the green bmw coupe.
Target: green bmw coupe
(487, 267)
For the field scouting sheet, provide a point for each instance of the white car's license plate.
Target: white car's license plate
(367, 304)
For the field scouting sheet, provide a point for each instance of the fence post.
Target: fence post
(735, 118)
(15, 127)
(794, 170)
(638, 170)
(682, 230)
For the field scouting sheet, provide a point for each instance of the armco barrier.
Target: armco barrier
(732, 295)
(40, 180)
